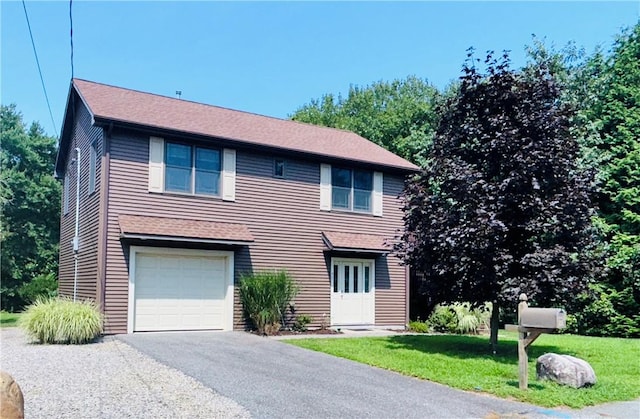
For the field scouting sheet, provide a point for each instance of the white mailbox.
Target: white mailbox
(543, 318)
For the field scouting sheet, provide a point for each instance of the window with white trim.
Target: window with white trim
(351, 190)
(192, 169)
(347, 189)
(93, 155)
(65, 194)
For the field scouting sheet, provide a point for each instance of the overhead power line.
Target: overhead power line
(71, 34)
(33, 44)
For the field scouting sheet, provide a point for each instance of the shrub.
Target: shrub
(265, 298)
(61, 320)
(460, 318)
(41, 286)
(301, 323)
(419, 326)
(443, 319)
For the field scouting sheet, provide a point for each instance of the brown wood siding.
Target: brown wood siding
(82, 136)
(282, 214)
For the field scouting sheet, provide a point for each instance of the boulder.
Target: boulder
(11, 399)
(565, 369)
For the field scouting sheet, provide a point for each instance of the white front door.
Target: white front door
(352, 292)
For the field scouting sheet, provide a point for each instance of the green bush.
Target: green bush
(41, 286)
(460, 318)
(419, 326)
(266, 297)
(61, 320)
(443, 319)
(301, 323)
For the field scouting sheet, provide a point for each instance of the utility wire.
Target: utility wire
(71, 34)
(33, 44)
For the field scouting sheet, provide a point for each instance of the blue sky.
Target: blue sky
(272, 57)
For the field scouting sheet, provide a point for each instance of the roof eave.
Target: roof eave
(66, 129)
(229, 242)
(158, 130)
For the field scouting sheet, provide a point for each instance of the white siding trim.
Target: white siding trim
(156, 164)
(228, 255)
(229, 175)
(325, 187)
(377, 194)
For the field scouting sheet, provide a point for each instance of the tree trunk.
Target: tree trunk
(495, 325)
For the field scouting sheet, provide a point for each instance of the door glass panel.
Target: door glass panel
(346, 278)
(335, 278)
(366, 279)
(355, 279)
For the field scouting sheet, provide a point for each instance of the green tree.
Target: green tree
(398, 115)
(615, 114)
(30, 203)
(502, 207)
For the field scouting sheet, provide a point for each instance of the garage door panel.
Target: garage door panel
(179, 292)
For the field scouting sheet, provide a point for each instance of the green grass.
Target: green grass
(8, 319)
(465, 362)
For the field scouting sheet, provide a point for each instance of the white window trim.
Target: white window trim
(229, 267)
(157, 171)
(326, 196)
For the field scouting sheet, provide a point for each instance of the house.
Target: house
(178, 199)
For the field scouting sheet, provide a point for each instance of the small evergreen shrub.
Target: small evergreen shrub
(61, 320)
(266, 297)
(302, 322)
(443, 319)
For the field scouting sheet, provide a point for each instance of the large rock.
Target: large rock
(11, 400)
(565, 369)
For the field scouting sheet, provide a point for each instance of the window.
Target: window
(278, 168)
(65, 193)
(351, 189)
(92, 168)
(192, 169)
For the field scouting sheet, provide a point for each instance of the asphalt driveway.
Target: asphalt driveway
(274, 380)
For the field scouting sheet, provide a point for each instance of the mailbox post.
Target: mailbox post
(532, 322)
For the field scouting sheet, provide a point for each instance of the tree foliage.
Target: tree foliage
(398, 115)
(30, 202)
(502, 207)
(615, 112)
(605, 90)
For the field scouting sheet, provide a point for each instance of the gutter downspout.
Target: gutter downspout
(77, 230)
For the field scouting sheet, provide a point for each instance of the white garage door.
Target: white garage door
(179, 292)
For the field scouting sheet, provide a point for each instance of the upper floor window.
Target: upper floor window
(93, 156)
(65, 193)
(192, 169)
(351, 189)
(278, 168)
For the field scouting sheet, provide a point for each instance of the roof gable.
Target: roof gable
(118, 105)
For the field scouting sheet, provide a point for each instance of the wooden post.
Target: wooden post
(523, 361)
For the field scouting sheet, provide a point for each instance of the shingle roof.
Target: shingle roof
(136, 226)
(349, 241)
(130, 106)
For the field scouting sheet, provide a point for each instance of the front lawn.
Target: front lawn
(8, 319)
(465, 362)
